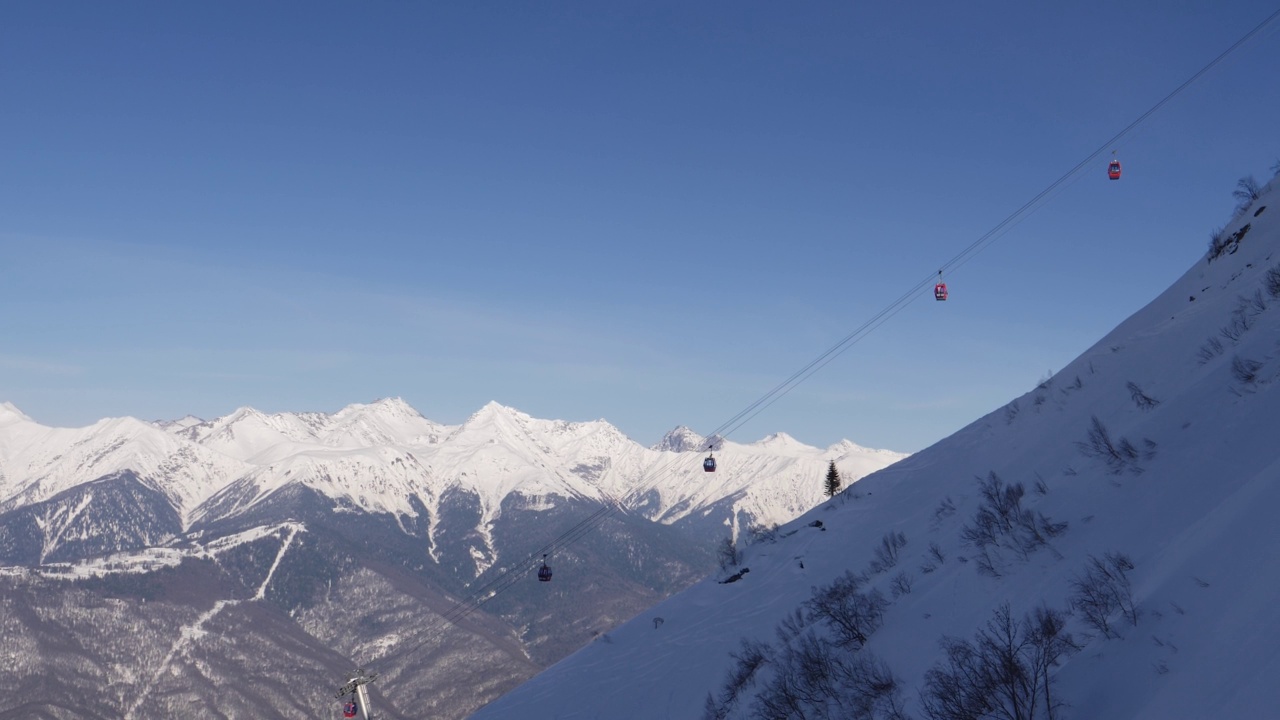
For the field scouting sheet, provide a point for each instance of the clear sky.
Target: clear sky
(649, 212)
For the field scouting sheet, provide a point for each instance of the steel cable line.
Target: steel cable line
(589, 523)
(889, 312)
(510, 576)
(977, 246)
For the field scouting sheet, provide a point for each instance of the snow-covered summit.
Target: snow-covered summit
(494, 418)
(390, 421)
(782, 440)
(681, 439)
(178, 425)
(11, 414)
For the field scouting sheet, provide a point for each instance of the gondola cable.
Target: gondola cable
(519, 569)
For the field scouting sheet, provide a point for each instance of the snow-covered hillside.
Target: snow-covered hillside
(1152, 457)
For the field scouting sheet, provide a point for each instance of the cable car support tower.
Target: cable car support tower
(359, 694)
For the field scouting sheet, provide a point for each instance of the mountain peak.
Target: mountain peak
(494, 416)
(683, 439)
(778, 438)
(178, 425)
(494, 409)
(680, 439)
(387, 407)
(242, 413)
(394, 403)
(845, 446)
(9, 413)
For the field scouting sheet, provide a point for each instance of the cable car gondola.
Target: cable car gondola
(709, 465)
(1113, 169)
(349, 710)
(544, 572)
(940, 290)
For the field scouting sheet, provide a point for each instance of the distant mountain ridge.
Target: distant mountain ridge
(341, 539)
(386, 457)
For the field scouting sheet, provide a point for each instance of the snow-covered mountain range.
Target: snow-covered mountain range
(385, 457)
(1104, 546)
(332, 531)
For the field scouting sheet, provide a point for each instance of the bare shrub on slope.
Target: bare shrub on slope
(1219, 246)
(852, 615)
(1216, 242)
(1272, 282)
(1243, 316)
(816, 679)
(887, 551)
(1001, 523)
(1003, 673)
(1247, 190)
(1121, 455)
(817, 667)
(1010, 412)
(1245, 370)
(933, 559)
(1102, 591)
(900, 585)
(1141, 399)
(752, 656)
(1211, 349)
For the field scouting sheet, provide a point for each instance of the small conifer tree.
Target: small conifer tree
(833, 480)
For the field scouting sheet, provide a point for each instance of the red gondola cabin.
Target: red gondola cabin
(349, 710)
(1113, 170)
(940, 291)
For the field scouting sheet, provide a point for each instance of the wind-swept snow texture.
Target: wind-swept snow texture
(1159, 442)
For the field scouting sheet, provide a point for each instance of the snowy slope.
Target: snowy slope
(1184, 394)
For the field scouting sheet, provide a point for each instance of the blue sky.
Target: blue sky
(646, 212)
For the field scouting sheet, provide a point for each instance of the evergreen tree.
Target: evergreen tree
(833, 480)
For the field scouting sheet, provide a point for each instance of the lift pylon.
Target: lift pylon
(359, 694)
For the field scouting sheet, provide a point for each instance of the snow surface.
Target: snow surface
(1195, 513)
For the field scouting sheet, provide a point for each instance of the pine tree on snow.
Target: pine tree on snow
(833, 480)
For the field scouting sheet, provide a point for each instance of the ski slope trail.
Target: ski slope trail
(284, 547)
(193, 632)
